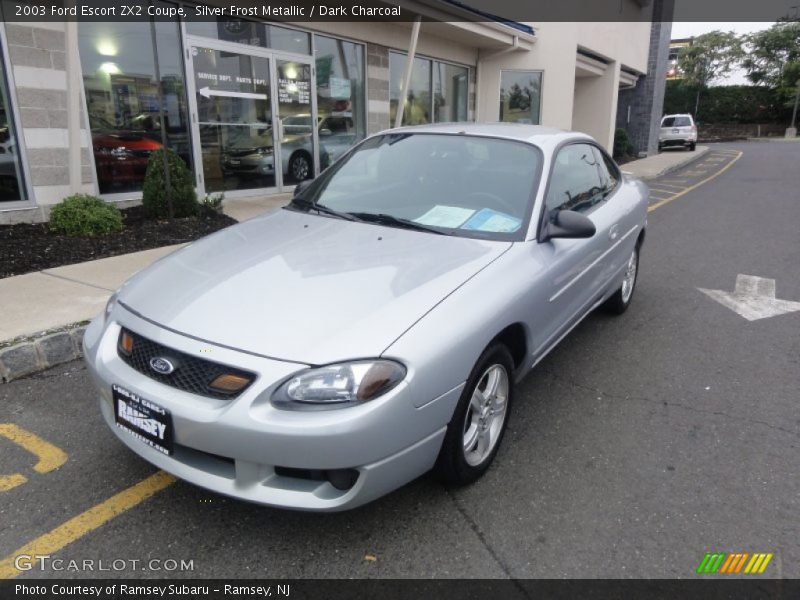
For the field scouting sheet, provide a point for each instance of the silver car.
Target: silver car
(374, 329)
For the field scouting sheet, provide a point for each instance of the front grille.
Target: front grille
(191, 374)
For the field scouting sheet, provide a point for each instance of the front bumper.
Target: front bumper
(245, 446)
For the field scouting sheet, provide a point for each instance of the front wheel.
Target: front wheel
(692, 146)
(479, 422)
(619, 302)
(300, 166)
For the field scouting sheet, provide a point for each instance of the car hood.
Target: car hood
(304, 287)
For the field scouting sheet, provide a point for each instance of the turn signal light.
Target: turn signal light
(126, 343)
(229, 383)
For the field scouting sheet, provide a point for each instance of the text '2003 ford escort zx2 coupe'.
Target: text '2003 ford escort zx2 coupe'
(325, 354)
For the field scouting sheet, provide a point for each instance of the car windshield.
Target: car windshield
(676, 122)
(461, 185)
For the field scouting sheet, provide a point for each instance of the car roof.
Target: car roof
(534, 134)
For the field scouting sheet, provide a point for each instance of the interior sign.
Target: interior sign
(294, 91)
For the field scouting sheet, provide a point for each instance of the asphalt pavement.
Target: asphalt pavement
(638, 445)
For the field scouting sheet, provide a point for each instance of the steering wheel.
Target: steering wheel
(494, 199)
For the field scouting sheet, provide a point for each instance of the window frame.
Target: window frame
(500, 90)
(29, 201)
(542, 223)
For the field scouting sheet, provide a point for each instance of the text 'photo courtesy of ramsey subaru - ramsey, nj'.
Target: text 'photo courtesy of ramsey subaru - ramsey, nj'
(374, 329)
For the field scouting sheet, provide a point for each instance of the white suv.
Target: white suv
(677, 130)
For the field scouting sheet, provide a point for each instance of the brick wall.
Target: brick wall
(38, 60)
(639, 109)
(377, 88)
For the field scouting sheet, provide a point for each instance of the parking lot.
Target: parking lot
(634, 448)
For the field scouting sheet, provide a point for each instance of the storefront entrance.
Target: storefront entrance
(254, 114)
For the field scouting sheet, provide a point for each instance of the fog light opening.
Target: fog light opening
(342, 479)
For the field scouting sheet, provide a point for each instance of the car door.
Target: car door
(621, 203)
(576, 267)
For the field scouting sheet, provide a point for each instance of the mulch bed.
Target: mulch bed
(32, 247)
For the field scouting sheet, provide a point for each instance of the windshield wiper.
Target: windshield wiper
(322, 209)
(391, 221)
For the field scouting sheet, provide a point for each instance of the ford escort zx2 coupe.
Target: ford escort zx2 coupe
(373, 329)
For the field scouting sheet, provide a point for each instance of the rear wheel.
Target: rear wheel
(621, 300)
(300, 166)
(479, 422)
(692, 147)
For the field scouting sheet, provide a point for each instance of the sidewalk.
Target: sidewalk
(45, 312)
(665, 162)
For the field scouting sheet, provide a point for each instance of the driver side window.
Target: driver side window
(575, 183)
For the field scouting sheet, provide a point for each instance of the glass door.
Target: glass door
(254, 117)
(297, 129)
(234, 119)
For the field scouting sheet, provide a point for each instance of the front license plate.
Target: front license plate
(145, 420)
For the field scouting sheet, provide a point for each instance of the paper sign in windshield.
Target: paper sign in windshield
(445, 216)
(490, 220)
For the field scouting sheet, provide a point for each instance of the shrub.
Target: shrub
(154, 193)
(622, 144)
(85, 215)
(210, 206)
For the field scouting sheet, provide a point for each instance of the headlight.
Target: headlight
(339, 385)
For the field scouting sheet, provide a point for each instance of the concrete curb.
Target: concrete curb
(32, 354)
(699, 153)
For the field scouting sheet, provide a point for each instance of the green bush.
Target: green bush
(727, 103)
(622, 144)
(85, 215)
(154, 193)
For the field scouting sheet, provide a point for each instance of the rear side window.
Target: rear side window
(676, 122)
(575, 183)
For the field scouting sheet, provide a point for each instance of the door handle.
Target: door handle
(613, 231)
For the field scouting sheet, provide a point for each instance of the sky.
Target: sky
(682, 30)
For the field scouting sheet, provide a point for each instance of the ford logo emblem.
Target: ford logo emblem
(161, 365)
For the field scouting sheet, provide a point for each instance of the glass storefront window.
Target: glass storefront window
(12, 187)
(520, 96)
(252, 33)
(124, 98)
(437, 91)
(450, 91)
(417, 109)
(340, 96)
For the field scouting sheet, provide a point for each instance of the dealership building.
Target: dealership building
(254, 106)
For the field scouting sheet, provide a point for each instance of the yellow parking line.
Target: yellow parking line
(9, 482)
(50, 457)
(88, 521)
(660, 191)
(652, 207)
(662, 184)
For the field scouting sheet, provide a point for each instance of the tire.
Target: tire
(456, 465)
(660, 147)
(692, 146)
(300, 166)
(619, 302)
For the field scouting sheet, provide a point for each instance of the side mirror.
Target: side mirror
(569, 224)
(301, 187)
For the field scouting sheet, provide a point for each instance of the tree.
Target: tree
(773, 59)
(773, 55)
(710, 56)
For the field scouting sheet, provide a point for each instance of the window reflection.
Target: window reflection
(340, 96)
(520, 96)
(11, 181)
(417, 108)
(437, 92)
(252, 33)
(124, 98)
